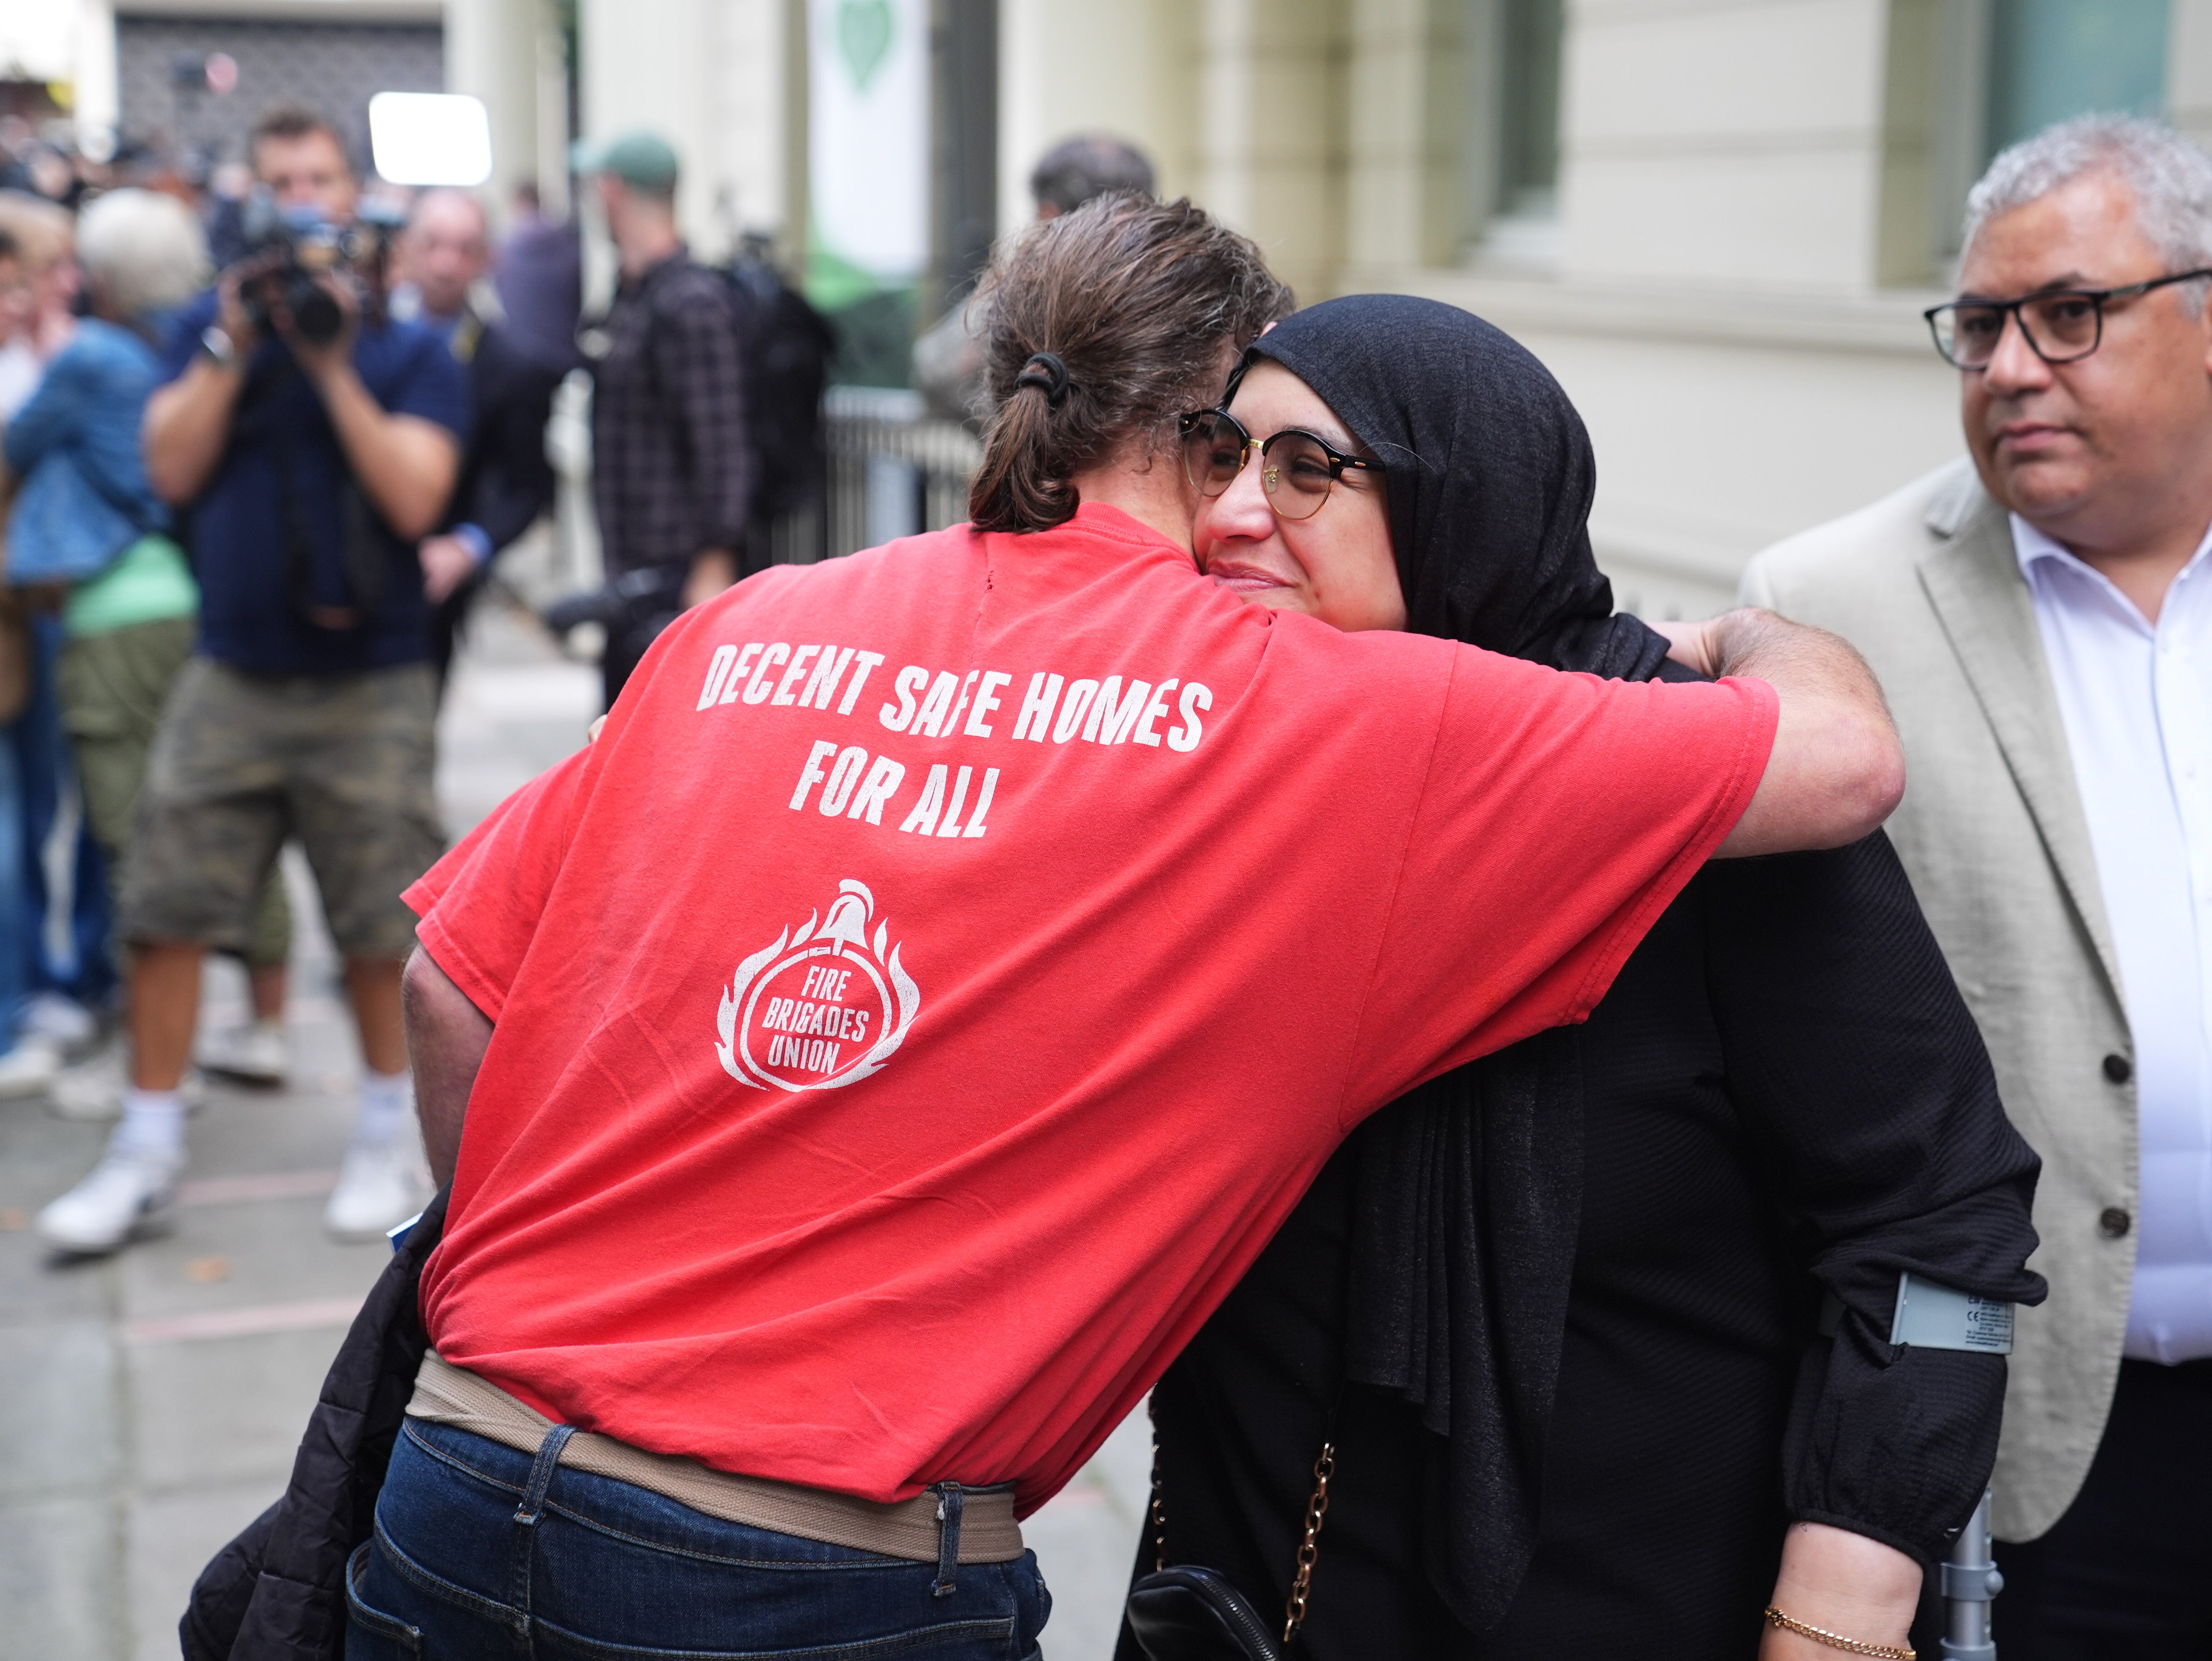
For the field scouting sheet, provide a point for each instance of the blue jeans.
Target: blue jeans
(480, 1550)
(63, 892)
(18, 921)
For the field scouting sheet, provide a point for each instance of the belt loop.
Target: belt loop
(541, 1473)
(950, 1501)
(526, 1521)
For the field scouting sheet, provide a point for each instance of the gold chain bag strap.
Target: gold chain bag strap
(1294, 1611)
(1191, 1613)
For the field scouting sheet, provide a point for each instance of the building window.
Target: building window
(1528, 108)
(2049, 59)
(1968, 77)
(1513, 51)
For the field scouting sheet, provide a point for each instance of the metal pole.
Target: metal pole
(1969, 1583)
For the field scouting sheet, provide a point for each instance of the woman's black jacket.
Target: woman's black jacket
(1784, 1104)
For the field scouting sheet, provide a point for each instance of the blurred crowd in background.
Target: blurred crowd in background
(100, 261)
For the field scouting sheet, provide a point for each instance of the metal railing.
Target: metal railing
(893, 472)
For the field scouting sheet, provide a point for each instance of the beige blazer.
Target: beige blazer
(1925, 583)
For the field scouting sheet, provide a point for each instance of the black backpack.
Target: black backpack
(785, 346)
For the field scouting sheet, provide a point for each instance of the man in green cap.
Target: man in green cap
(672, 471)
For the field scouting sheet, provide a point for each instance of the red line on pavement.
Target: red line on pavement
(249, 1321)
(269, 1185)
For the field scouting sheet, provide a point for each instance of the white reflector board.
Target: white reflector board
(430, 138)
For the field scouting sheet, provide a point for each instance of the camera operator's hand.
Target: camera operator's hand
(323, 362)
(231, 315)
(187, 422)
(446, 562)
(240, 293)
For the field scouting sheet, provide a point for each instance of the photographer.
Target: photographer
(309, 442)
(672, 471)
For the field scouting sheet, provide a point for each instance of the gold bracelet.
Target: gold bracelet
(1835, 1641)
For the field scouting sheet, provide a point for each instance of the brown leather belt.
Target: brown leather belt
(910, 1529)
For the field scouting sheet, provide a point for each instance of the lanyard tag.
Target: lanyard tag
(1933, 1317)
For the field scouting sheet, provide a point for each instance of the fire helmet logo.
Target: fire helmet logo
(820, 1007)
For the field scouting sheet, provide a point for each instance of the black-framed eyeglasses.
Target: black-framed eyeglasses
(2061, 326)
(1297, 468)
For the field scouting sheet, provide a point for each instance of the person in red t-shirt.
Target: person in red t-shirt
(861, 1070)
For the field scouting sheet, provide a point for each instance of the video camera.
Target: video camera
(649, 599)
(287, 249)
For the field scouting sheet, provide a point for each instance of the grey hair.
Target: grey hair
(142, 250)
(2170, 178)
(436, 194)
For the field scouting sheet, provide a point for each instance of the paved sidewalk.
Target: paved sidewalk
(153, 1400)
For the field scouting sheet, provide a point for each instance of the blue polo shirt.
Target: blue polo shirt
(279, 534)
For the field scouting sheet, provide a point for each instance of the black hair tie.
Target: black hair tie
(1045, 370)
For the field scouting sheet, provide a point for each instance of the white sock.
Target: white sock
(153, 1122)
(386, 1098)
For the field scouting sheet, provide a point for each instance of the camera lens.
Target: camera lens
(314, 313)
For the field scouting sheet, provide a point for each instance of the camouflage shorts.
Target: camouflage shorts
(241, 761)
(111, 686)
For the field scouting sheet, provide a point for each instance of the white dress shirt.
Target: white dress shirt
(2136, 700)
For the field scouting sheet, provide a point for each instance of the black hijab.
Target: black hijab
(1469, 1190)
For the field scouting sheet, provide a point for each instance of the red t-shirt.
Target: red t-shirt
(952, 962)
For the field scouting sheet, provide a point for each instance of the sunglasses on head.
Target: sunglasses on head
(1297, 468)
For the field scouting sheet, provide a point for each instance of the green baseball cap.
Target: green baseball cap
(637, 157)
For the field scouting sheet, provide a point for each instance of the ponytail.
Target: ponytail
(1016, 489)
(1101, 326)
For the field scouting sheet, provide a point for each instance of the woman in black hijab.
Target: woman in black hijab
(1592, 1323)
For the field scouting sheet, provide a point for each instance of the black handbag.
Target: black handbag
(1187, 1612)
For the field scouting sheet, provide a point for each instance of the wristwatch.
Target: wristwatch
(216, 343)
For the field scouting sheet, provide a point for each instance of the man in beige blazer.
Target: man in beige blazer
(2040, 615)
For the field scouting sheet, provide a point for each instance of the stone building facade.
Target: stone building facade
(1716, 220)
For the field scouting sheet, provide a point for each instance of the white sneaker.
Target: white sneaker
(92, 1091)
(255, 1052)
(58, 1019)
(380, 1186)
(132, 1192)
(30, 1069)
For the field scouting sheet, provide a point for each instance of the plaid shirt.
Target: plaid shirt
(671, 472)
